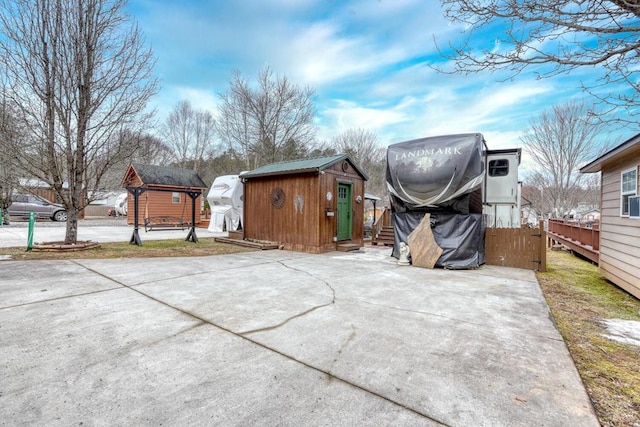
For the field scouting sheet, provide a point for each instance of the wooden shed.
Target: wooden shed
(620, 214)
(166, 192)
(312, 205)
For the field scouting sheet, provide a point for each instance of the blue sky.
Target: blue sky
(367, 60)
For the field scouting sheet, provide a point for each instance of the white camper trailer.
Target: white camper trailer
(225, 200)
(502, 190)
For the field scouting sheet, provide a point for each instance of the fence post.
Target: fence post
(32, 220)
(543, 247)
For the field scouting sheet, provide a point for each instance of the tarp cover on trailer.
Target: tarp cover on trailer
(461, 237)
(435, 172)
(225, 200)
(441, 175)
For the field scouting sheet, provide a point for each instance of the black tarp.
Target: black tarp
(435, 172)
(443, 176)
(461, 237)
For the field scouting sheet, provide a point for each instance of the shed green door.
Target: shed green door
(344, 211)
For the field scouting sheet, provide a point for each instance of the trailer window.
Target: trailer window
(499, 167)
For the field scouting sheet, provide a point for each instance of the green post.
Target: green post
(1, 217)
(32, 221)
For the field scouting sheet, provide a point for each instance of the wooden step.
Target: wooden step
(247, 243)
(347, 247)
(386, 237)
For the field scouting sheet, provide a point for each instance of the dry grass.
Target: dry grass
(151, 248)
(579, 298)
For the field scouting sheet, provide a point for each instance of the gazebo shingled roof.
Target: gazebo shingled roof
(166, 176)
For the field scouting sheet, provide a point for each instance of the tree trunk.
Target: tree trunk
(71, 234)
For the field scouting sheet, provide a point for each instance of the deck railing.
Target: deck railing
(581, 237)
(585, 233)
(383, 220)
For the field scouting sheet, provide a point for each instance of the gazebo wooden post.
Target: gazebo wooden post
(136, 192)
(191, 237)
(374, 211)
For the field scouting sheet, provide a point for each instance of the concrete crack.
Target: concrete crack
(275, 350)
(304, 313)
(333, 291)
(62, 297)
(284, 322)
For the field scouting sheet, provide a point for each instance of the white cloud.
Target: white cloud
(366, 59)
(343, 115)
(320, 56)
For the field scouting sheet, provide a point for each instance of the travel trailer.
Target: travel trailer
(464, 187)
(225, 201)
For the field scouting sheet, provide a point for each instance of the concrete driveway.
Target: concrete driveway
(280, 338)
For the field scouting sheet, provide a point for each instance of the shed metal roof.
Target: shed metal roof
(167, 176)
(300, 166)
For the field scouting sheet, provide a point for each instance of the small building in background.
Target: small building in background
(165, 192)
(619, 259)
(311, 205)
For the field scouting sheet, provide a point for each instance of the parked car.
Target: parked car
(22, 204)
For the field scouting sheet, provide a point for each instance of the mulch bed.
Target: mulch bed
(65, 247)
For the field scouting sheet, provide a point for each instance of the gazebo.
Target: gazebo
(165, 192)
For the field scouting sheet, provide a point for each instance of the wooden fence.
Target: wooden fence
(517, 247)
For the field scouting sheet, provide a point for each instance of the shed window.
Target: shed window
(629, 188)
(499, 167)
(175, 197)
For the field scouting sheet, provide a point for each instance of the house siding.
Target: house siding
(619, 236)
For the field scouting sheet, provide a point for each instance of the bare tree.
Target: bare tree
(189, 133)
(79, 73)
(363, 147)
(564, 35)
(141, 148)
(9, 176)
(271, 123)
(178, 130)
(150, 150)
(560, 141)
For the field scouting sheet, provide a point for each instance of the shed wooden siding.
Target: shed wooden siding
(287, 224)
(308, 229)
(619, 236)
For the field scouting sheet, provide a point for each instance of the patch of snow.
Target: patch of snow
(624, 331)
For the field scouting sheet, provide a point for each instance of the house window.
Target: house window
(629, 188)
(499, 167)
(634, 207)
(175, 197)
